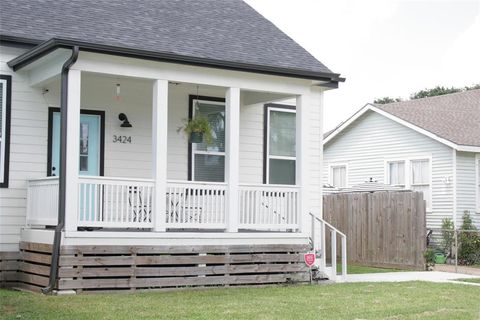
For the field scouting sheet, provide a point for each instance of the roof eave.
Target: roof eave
(372, 107)
(330, 79)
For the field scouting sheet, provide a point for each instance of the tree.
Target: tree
(385, 100)
(439, 90)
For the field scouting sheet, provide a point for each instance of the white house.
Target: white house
(431, 145)
(118, 79)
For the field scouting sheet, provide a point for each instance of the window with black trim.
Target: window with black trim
(5, 106)
(279, 144)
(207, 161)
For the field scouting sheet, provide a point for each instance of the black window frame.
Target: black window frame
(6, 138)
(191, 99)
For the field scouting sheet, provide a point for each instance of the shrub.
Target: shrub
(429, 256)
(448, 236)
(469, 242)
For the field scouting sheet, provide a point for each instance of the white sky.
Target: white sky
(383, 48)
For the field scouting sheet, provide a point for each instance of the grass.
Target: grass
(408, 300)
(472, 280)
(357, 269)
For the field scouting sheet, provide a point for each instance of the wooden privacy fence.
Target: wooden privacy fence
(383, 228)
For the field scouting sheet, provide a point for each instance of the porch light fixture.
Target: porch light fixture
(125, 123)
(117, 92)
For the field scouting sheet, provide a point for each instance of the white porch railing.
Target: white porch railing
(106, 202)
(115, 202)
(196, 205)
(269, 207)
(42, 201)
(319, 245)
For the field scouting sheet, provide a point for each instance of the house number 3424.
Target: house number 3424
(122, 139)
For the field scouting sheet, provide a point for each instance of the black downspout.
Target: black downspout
(63, 165)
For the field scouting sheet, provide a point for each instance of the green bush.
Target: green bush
(448, 236)
(429, 256)
(469, 242)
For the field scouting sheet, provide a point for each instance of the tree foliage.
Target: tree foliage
(385, 100)
(428, 92)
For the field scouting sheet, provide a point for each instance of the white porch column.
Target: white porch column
(232, 161)
(159, 151)
(301, 168)
(73, 150)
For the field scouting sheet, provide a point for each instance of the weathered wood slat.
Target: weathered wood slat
(34, 268)
(36, 257)
(8, 276)
(37, 247)
(70, 250)
(169, 260)
(9, 265)
(172, 282)
(179, 271)
(33, 279)
(15, 255)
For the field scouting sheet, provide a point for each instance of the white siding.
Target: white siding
(373, 139)
(28, 150)
(466, 198)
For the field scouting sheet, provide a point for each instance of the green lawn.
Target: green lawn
(472, 280)
(356, 269)
(410, 300)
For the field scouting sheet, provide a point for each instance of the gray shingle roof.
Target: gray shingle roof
(227, 30)
(454, 117)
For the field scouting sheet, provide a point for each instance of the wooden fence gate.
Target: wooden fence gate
(383, 228)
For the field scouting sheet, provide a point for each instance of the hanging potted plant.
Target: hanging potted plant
(198, 130)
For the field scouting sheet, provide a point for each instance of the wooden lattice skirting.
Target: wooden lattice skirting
(107, 268)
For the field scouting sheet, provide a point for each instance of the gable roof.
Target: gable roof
(452, 119)
(221, 31)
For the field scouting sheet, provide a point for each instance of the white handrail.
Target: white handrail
(333, 232)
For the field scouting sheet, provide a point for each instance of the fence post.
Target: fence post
(456, 250)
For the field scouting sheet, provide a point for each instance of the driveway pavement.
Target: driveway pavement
(431, 276)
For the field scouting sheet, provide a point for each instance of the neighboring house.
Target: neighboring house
(430, 145)
(114, 168)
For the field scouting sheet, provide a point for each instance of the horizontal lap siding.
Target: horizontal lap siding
(466, 198)
(372, 139)
(28, 150)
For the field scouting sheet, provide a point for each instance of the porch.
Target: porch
(149, 177)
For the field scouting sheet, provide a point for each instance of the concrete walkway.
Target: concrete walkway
(431, 276)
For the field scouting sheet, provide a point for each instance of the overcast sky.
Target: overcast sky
(383, 48)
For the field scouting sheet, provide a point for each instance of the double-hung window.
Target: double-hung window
(5, 106)
(208, 160)
(413, 173)
(420, 178)
(280, 157)
(396, 173)
(338, 176)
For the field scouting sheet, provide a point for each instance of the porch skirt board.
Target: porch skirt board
(126, 268)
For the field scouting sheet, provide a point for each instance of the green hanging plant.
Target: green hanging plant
(197, 129)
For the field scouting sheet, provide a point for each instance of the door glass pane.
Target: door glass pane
(84, 146)
(282, 171)
(216, 116)
(282, 134)
(209, 168)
